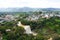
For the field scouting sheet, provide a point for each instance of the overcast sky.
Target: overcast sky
(30, 3)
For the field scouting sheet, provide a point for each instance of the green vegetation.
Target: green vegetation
(45, 28)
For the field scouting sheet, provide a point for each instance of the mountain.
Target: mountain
(51, 9)
(26, 9)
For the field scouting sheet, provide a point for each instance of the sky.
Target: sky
(30, 3)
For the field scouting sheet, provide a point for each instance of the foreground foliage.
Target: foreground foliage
(46, 28)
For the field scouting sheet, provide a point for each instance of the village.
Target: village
(31, 25)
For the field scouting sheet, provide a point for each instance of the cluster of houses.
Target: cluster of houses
(7, 18)
(35, 17)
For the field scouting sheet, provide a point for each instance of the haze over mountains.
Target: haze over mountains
(27, 9)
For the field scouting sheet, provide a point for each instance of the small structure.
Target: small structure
(27, 29)
(45, 16)
(8, 30)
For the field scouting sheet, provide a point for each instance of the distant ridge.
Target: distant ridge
(26, 9)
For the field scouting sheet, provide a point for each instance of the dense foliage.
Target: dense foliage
(45, 28)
